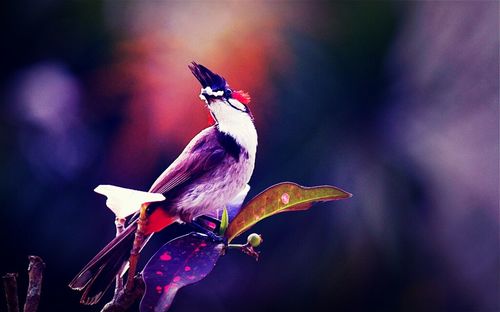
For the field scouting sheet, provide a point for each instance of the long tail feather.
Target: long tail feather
(96, 277)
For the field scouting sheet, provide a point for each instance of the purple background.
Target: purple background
(395, 102)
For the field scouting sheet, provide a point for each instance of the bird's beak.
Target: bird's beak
(207, 78)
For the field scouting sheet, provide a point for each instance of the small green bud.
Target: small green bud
(254, 240)
(224, 222)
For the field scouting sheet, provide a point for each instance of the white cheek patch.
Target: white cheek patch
(237, 104)
(209, 91)
(206, 90)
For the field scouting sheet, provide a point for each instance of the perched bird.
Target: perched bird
(212, 171)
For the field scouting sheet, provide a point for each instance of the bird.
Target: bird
(210, 173)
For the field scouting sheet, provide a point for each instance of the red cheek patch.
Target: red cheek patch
(241, 96)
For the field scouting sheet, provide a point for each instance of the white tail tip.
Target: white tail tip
(123, 201)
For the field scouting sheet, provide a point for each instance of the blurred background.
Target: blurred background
(395, 102)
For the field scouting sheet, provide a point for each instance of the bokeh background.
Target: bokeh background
(395, 102)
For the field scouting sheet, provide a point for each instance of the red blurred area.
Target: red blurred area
(244, 44)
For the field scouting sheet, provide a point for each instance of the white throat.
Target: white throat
(237, 124)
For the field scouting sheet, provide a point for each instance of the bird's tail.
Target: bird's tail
(96, 277)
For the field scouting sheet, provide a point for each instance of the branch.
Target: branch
(125, 298)
(35, 272)
(136, 248)
(10, 285)
(119, 224)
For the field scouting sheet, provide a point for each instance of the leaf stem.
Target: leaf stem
(236, 246)
(245, 248)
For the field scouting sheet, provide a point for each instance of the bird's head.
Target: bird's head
(222, 101)
(228, 107)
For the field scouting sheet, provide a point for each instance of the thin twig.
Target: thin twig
(246, 248)
(35, 272)
(136, 248)
(10, 285)
(126, 297)
(120, 225)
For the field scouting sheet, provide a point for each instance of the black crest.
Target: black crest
(207, 78)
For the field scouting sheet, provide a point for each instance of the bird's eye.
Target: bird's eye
(227, 93)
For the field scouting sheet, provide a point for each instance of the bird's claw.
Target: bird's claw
(206, 231)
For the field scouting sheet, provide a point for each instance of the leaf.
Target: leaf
(224, 222)
(286, 196)
(180, 262)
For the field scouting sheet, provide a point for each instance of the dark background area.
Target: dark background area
(395, 102)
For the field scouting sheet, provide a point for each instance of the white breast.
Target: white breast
(237, 124)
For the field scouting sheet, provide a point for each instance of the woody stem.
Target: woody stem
(119, 224)
(136, 248)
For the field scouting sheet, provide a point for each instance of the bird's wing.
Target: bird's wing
(201, 155)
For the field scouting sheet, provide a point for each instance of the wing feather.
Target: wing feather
(199, 157)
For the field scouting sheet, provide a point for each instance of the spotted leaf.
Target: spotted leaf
(278, 198)
(180, 262)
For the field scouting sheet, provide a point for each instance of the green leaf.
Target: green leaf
(223, 222)
(278, 198)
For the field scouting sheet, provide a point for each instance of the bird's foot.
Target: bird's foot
(207, 225)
